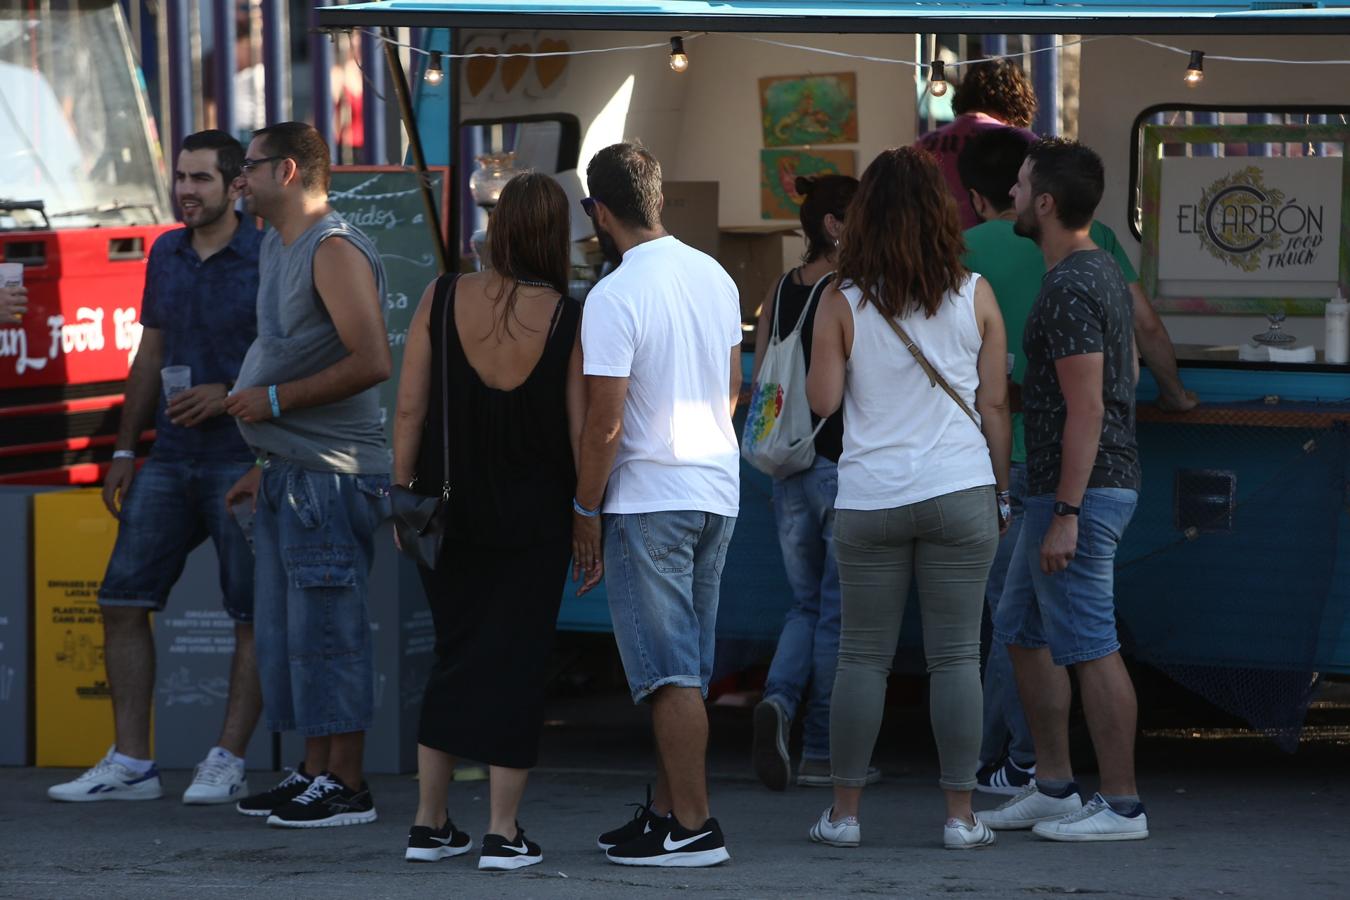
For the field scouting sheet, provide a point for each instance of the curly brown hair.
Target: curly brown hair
(1000, 88)
(902, 241)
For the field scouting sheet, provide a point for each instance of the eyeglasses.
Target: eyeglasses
(588, 206)
(248, 165)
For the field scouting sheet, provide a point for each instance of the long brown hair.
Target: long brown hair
(902, 241)
(529, 238)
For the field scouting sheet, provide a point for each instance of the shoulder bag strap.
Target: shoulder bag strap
(447, 310)
(777, 304)
(934, 376)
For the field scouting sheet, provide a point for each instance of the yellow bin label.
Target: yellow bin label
(73, 537)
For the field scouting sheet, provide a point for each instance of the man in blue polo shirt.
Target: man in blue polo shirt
(198, 312)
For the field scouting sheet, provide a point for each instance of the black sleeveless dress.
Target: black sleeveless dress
(495, 593)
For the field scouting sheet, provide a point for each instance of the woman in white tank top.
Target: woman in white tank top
(919, 478)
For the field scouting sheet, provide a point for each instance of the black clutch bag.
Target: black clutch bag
(420, 520)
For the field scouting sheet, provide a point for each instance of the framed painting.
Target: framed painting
(1245, 234)
(801, 110)
(778, 171)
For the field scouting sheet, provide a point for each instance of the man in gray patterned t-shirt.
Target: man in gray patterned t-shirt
(1058, 604)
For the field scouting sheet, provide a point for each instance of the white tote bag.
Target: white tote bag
(778, 438)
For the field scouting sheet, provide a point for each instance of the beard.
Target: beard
(607, 246)
(1026, 225)
(206, 216)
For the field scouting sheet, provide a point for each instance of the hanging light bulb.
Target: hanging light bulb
(679, 61)
(1195, 71)
(937, 78)
(434, 74)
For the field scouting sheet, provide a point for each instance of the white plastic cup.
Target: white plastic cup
(175, 379)
(11, 274)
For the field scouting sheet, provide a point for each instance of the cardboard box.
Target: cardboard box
(755, 256)
(690, 213)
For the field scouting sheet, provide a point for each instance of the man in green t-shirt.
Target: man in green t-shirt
(1014, 267)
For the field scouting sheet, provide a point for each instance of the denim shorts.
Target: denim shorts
(173, 505)
(1073, 612)
(314, 537)
(663, 572)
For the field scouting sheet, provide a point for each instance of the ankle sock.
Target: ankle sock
(139, 766)
(224, 755)
(1123, 804)
(1029, 768)
(1053, 787)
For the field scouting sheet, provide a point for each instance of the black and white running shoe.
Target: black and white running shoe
(326, 803)
(674, 845)
(430, 844)
(1006, 778)
(500, 854)
(644, 821)
(286, 790)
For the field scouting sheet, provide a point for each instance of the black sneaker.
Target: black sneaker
(644, 821)
(501, 854)
(769, 752)
(430, 844)
(286, 790)
(327, 802)
(674, 845)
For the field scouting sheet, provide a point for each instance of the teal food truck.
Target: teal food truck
(1234, 577)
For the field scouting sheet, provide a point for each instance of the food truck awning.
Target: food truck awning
(858, 16)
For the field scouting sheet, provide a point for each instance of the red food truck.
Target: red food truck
(83, 195)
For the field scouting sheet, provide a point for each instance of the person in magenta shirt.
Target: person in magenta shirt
(992, 94)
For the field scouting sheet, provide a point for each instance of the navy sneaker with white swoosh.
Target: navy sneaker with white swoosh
(500, 854)
(430, 844)
(674, 846)
(644, 821)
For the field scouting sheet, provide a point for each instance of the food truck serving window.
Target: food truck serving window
(64, 66)
(1200, 115)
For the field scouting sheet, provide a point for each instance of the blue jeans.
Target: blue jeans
(1005, 724)
(664, 576)
(313, 536)
(808, 648)
(1073, 612)
(173, 505)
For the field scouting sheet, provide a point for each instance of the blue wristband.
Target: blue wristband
(272, 398)
(583, 511)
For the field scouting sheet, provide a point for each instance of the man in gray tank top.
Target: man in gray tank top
(306, 402)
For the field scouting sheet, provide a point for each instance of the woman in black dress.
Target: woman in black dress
(515, 401)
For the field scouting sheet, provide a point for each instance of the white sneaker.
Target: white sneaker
(957, 835)
(1028, 808)
(109, 780)
(1096, 821)
(217, 779)
(844, 833)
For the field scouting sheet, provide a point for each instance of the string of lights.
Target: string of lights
(937, 83)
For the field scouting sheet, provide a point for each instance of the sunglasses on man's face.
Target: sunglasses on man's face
(248, 165)
(588, 206)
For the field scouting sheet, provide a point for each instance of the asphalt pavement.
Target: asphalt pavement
(1230, 815)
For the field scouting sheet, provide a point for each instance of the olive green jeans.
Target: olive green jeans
(947, 545)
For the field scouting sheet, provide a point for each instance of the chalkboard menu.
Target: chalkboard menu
(385, 202)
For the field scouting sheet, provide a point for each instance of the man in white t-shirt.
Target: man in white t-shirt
(661, 340)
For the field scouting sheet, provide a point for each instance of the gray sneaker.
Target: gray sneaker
(816, 773)
(1029, 808)
(1096, 821)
